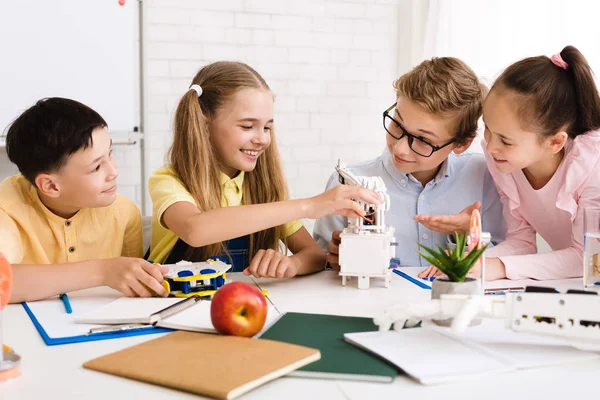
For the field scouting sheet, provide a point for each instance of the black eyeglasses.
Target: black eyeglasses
(416, 144)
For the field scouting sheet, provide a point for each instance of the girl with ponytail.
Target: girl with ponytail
(542, 121)
(224, 191)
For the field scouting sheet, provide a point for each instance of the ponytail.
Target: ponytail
(585, 96)
(192, 158)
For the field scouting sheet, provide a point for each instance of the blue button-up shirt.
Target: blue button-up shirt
(461, 181)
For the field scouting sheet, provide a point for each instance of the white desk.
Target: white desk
(56, 372)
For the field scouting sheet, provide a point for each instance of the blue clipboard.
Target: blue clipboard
(88, 338)
(411, 279)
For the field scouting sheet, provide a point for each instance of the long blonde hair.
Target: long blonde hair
(194, 158)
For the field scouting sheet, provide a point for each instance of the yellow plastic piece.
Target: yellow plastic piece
(198, 277)
(204, 293)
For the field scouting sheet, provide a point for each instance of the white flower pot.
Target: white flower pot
(442, 286)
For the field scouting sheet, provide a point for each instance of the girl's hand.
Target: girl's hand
(271, 264)
(494, 269)
(449, 224)
(339, 201)
(429, 272)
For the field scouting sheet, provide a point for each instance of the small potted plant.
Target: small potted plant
(455, 264)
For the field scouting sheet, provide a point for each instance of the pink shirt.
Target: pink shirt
(554, 211)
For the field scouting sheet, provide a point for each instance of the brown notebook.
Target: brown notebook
(223, 367)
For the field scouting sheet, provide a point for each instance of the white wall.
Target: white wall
(330, 63)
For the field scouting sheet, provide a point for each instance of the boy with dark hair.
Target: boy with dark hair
(62, 224)
(425, 166)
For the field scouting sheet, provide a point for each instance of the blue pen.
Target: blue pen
(67, 303)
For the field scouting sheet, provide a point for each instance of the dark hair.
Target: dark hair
(550, 98)
(45, 135)
(446, 86)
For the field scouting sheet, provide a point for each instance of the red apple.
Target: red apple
(238, 309)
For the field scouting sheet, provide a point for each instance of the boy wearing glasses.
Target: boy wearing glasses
(425, 166)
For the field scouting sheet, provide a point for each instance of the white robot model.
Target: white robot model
(573, 316)
(367, 244)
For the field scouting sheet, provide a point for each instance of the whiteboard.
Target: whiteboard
(86, 50)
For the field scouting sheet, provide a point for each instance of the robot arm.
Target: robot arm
(374, 183)
(574, 316)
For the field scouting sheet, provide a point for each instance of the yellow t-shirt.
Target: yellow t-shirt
(166, 189)
(32, 234)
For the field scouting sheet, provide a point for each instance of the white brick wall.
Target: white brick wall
(330, 63)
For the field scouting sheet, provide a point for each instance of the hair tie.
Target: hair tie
(559, 62)
(197, 88)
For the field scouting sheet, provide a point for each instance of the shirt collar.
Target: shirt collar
(234, 183)
(445, 169)
(400, 178)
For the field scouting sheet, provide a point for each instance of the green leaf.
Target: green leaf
(429, 250)
(443, 254)
(461, 241)
(432, 260)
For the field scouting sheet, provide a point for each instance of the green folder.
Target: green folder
(339, 359)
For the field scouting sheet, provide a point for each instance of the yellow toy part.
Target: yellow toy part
(198, 277)
(167, 286)
(204, 293)
(207, 293)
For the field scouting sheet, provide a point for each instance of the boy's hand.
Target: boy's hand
(271, 264)
(134, 277)
(449, 224)
(333, 251)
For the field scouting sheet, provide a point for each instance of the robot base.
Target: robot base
(364, 281)
(366, 255)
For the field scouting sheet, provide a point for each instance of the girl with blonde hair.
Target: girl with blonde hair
(224, 191)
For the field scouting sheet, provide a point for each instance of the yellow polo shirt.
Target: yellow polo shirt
(166, 189)
(32, 234)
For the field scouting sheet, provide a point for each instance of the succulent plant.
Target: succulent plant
(455, 263)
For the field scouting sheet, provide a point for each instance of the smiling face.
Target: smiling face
(512, 147)
(241, 129)
(424, 125)
(88, 178)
